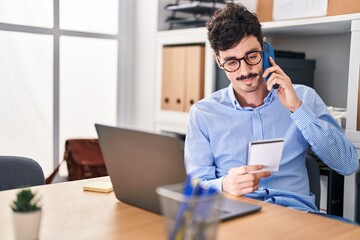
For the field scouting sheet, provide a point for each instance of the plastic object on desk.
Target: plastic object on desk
(191, 211)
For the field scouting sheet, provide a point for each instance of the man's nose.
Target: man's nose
(244, 68)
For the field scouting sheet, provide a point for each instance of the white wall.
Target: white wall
(146, 20)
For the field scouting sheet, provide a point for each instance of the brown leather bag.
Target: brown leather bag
(84, 160)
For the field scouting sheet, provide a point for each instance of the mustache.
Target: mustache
(250, 75)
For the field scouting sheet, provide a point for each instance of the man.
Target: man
(221, 125)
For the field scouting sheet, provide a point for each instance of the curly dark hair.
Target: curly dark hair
(229, 25)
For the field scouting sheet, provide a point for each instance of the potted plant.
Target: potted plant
(26, 215)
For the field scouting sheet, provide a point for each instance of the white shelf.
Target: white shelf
(311, 26)
(182, 36)
(354, 136)
(171, 121)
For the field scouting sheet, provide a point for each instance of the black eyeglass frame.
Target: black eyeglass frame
(239, 60)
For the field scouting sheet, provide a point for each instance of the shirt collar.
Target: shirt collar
(269, 98)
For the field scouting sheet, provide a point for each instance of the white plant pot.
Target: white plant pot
(26, 225)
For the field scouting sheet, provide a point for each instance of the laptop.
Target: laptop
(138, 162)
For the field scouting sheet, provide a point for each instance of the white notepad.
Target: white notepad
(267, 153)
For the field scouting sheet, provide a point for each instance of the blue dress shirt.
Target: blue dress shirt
(219, 131)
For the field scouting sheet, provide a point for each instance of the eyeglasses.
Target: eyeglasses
(251, 58)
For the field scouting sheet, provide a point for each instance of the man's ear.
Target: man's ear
(264, 40)
(216, 59)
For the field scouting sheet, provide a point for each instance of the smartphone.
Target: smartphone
(268, 52)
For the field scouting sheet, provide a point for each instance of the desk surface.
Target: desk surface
(71, 213)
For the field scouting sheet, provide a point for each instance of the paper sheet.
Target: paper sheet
(267, 153)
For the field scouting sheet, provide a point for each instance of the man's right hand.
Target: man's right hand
(243, 180)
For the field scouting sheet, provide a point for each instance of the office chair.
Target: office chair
(313, 170)
(16, 172)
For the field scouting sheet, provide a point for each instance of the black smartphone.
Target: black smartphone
(268, 52)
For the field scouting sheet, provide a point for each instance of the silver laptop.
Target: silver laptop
(138, 162)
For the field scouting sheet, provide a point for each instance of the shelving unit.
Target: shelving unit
(329, 27)
(333, 41)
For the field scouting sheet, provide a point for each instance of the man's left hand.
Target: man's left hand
(286, 91)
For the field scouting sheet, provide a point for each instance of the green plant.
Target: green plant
(25, 201)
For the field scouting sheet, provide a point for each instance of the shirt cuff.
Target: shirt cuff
(215, 183)
(303, 116)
